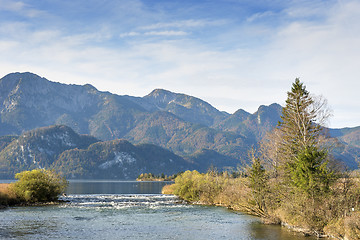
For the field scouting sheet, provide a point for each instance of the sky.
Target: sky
(234, 54)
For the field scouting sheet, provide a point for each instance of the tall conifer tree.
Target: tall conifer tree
(298, 127)
(306, 162)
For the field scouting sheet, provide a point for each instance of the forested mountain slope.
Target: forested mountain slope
(186, 125)
(82, 156)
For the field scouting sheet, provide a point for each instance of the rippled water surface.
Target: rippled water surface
(89, 215)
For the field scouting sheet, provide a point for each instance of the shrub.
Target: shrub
(168, 189)
(7, 196)
(3, 199)
(185, 186)
(38, 185)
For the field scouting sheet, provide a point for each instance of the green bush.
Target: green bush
(193, 186)
(39, 185)
(186, 186)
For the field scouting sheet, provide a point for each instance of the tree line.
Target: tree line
(157, 177)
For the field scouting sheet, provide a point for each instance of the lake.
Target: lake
(131, 210)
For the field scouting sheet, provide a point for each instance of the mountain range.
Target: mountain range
(83, 156)
(196, 133)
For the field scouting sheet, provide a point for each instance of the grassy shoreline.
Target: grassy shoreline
(235, 193)
(9, 199)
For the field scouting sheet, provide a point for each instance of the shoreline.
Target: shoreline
(267, 220)
(303, 231)
(7, 200)
(36, 204)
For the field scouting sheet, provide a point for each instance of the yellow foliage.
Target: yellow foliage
(38, 185)
(318, 214)
(7, 196)
(168, 189)
(215, 189)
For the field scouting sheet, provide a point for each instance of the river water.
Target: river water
(131, 210)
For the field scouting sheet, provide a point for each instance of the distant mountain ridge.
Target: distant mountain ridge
(254, 125)
(186, 125)
(39, 148)
(29, 101)
(189, 108)
(37, 102)
(81, 156)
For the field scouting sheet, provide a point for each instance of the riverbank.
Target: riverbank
(9, 199)
(335, 214)
(35, 187)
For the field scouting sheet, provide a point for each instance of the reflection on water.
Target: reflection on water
(118, 214)
(261, 231)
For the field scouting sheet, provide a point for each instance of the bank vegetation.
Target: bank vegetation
(292, 179)
(38, 186)
(335, 214)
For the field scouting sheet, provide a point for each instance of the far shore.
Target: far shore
(154, 180)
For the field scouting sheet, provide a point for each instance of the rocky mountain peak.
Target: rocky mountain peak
(90, 88)
(185, 106)
(161, 97)
(16, 76)
(271, 113)
(241, 114)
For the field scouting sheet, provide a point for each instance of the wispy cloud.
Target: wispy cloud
(165, 33)
(19, 7)
(175, 28)
(170, 33)
(191, 23)
(259, 16)
(130, 34)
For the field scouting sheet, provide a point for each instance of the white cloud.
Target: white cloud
(130, 34)
(165, 33)
(154, 33)
(4, 45)
(15, 6)
(260, 15)
(323, 53)
(19, 7)
(191, 23)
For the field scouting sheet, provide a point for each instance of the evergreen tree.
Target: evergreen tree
(298, 127)
(303, 159)
(309, 171)
(257, 183)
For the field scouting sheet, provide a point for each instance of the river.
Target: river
(131, 210)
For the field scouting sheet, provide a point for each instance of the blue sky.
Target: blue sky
(231, 53)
